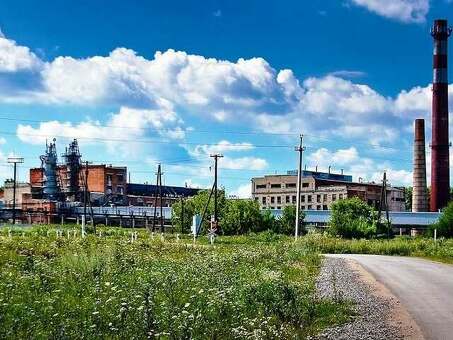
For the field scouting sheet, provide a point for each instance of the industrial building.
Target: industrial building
(58, 190)
(319, 190)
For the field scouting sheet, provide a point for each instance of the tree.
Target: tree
(408, 198)
(444, 225)
(352, 218)
(241, 216)
(287, 222)
(196, 205)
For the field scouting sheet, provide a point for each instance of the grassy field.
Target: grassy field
(442, 250)
(65, 286)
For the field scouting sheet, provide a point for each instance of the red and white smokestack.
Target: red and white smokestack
(419, 190)
(440, 162)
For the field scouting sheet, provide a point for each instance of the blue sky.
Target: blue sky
(141, 82)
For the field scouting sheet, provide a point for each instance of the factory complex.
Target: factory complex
(60, 191)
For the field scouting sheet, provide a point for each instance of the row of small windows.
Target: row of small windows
(303, 198)
(303, 207)
(280, 185)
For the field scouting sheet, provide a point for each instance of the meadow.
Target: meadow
(56, 284)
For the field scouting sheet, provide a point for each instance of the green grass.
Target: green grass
(442, 250)
(259, 286)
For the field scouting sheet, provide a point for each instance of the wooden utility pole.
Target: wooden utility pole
(182, 215)
(15, 160)
(157, 194)
(216, 158)
(300, 149)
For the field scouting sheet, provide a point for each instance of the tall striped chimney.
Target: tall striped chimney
(419, 191)
(440, 167)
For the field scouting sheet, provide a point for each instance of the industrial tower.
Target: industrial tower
(440, 167)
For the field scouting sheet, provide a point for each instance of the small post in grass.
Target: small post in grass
(435, 235)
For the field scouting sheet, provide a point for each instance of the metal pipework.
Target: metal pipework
(440, 162)
(419, 190)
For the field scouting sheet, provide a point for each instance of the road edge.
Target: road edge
(400, 317)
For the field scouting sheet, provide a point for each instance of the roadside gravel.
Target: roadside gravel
(340, 280)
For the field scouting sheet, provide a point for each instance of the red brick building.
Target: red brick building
(102, 178)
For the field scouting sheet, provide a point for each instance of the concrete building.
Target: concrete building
(319, 190)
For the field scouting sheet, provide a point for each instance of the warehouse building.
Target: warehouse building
(319, 190)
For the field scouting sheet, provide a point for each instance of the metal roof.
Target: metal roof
(167, 191)
(402, 218)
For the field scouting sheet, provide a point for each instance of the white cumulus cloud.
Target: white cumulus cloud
(408, 11)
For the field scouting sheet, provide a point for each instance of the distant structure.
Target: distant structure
(440, 167)
(72, 160)
(319, 190)
(419, 190)
(49, 164)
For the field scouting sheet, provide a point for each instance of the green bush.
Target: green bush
(352, 218)
(286, 223)
(241, 216)
(445, 224)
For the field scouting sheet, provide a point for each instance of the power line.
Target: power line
(148, 141)
(373, 145)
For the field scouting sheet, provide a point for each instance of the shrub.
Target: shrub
(241, 216)
(445, 224)
(286, 223)
(352, 218)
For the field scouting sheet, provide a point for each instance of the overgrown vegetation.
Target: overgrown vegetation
(352, 218)
(236, 216)
(445, 224)
(405, 246)
(54, 284)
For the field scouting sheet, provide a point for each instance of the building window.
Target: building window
(287, 199)
(279, 200)
(302, 198)
(120, 190)
(305, 185)
(256, 199)
(318, 207)
(120, 177)
(290, 185)
(260, 186)
(264, 200)
(279, 208)
(318, 198)
(340, 196)
(272, 199)
(294, 199)
(334, 197)
(324, 198)
(275, 186)
(308, 198)
(324, 207)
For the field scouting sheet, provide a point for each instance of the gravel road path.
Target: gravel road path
(379, 314)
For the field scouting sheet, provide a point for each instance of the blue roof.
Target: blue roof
(323, 175)
(402, 218)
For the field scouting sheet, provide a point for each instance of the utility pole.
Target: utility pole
(300, 149)
(158, 193)
(216, 158)
(182, 214)
(383, 204)
(15, 160)
(85, 199)
(160, 199)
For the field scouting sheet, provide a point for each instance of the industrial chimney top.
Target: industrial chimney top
(440, 29)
